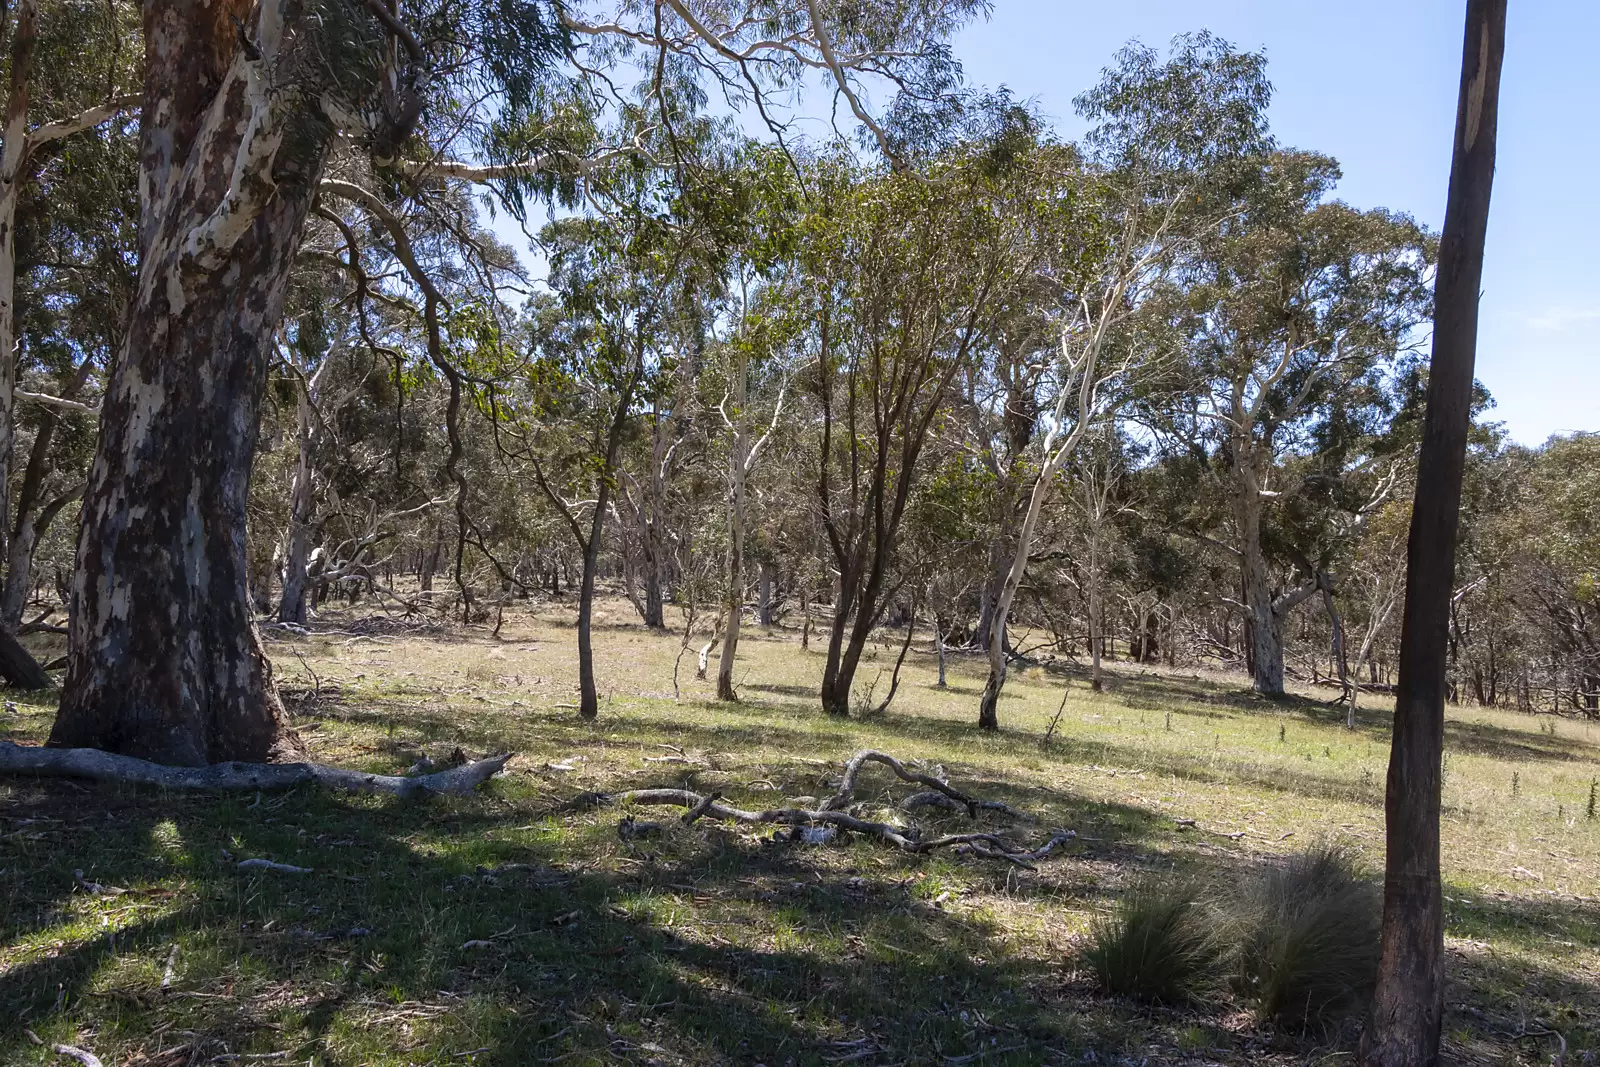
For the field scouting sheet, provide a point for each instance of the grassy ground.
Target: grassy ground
(404, 945)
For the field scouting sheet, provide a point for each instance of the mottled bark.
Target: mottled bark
(1266, 630)
(164, 662)
(1408, 1004)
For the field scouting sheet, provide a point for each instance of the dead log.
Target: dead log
(19, 668)
(109, 767)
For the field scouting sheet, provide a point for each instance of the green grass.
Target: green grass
(1154, 946)
(1303, 937)
(711, 945)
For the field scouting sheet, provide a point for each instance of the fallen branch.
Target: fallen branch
(852, 770)
(83, 1056)
(110, 767)
(905, 838)
(269, 865)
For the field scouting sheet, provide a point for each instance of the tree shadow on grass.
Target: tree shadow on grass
(413, 939)
(532, 963)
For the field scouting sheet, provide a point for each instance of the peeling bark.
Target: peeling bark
(163, 658)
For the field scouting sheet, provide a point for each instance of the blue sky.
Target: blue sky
(1373, 83)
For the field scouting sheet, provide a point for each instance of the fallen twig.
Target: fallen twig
(1231, 835)
(269, 865)
(110, 767)
(701, 808)
(171, 970)
(83, 1056)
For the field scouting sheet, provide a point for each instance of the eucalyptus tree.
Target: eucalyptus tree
(757, 53)
(241, 112)
(761, 205)
(1167, 136)
(1408, 1002)
(74, 250)
(904, 275)
(594, 351)
(1552, 555)
(58, 92)
(1289, 317)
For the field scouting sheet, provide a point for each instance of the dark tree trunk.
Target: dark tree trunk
(164, 661)
(655, 616)
(19, 668)
(1408, 1004)
(430, 561)
(588, 694)
(766, 583)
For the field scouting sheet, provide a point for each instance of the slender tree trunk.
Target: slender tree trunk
(835, 683)
(1341, 661)
(899, 661)
(1096, 638)
(767, 581)
(733, 601)
(13, 155)
(1043, 485)
(1000, 556)
(34, 516)
(734, 605)
(938, 644)
(588, 694)
(297, 539)
(19, 571)
(1408, 1005)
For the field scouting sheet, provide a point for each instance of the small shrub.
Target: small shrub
(1304, 938)
(1153, 947)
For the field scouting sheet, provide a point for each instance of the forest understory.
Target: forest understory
(514, 927)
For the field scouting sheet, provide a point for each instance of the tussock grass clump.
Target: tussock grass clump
(1153, 946)
(1304, 937)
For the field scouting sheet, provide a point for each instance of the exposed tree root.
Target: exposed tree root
(110, 767)
(906, 838)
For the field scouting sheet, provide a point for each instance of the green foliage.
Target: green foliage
(1303, 937)
(1154, 946)
(1204, 107)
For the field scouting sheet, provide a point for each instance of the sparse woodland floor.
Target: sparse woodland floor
(708, 944)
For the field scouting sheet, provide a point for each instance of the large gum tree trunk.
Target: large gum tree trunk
(164, 662)
(1408, 1004)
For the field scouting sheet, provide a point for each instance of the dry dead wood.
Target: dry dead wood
(905, 838)
(852, 770)
(110, 767)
